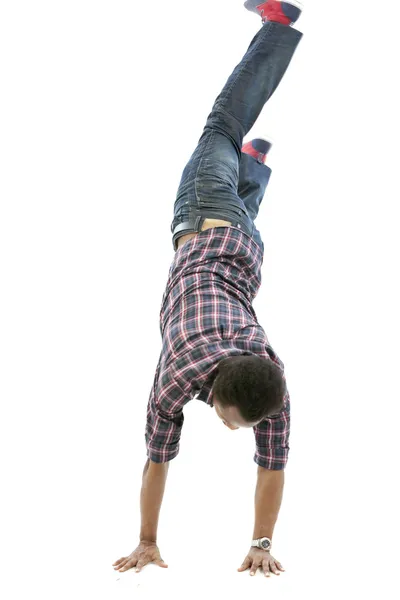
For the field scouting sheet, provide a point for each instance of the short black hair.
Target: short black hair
(253, 384)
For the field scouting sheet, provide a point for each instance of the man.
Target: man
(212, 344)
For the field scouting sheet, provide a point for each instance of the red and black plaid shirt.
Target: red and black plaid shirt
(207, 315)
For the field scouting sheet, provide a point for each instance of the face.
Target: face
(231, 417)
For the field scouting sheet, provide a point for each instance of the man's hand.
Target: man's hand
(261, 558)
(145, 553)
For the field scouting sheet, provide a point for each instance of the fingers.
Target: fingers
(125, 564)
(161, 563)
(254, 568)
(245, 565)
(274, 568)
(266, 567)
(120, 563)
(128, 565)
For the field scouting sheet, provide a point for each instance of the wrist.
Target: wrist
(147, 542)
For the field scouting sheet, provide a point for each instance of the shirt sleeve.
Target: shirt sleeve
(272, 439)
(164, 418)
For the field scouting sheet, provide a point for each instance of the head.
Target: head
(247, 389)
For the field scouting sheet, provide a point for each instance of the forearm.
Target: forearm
(268, 498)
(151, 496)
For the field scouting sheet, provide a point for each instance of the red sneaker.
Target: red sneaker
(258, 148)
(278, 11)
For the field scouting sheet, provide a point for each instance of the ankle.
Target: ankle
(275, 18)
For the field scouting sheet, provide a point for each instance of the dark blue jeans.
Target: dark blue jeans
(220, 181)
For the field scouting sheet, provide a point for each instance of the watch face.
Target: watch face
(265, 544)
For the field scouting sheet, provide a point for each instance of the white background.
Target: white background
(102, 104)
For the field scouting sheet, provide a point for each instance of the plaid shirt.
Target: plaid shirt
(207, 315)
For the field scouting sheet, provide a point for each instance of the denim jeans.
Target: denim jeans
(220, 181)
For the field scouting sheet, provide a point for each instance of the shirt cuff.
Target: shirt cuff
(274, 458)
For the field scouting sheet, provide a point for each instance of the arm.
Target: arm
(272, 440)
(268, 498)
(164, 424)
(153, 486)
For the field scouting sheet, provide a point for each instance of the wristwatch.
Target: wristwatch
(264, 543)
